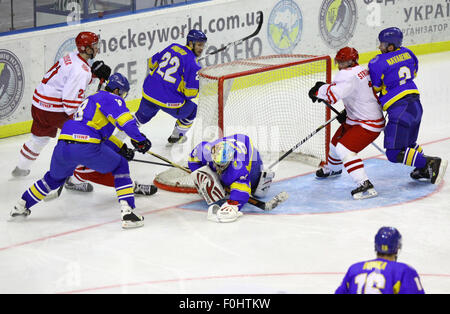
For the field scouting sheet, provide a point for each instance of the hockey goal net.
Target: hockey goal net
(265, 98)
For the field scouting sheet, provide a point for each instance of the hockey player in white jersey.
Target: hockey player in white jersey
(361, 122)
(57, 98)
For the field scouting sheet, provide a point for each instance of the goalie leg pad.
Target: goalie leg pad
(265, 181)
(208, 185)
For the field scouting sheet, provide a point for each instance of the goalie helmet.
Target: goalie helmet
(84, 40)
(120, 82)
(391, 36)
(222, 154)
(388, 240)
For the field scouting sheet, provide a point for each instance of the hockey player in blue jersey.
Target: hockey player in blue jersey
(172, 84)
(392, 74)
(231, 163)
(383, 275)
(86, 140)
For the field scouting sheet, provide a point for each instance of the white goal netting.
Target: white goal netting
(267, 99)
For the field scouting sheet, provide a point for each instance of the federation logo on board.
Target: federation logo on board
(285, 26)
(337, 22)
(67, 47)
(12, 82)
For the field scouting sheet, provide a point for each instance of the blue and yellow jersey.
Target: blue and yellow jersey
(380, 276)
(393, 74)
(242, 175)
(96, 119)
(173, 77)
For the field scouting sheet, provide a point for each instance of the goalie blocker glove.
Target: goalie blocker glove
(101, 70)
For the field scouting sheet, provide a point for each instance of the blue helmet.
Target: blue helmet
(119, 81)
(391, 35)
(388, 240)
(195, 35)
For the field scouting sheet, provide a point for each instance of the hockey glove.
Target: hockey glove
(342, 116)
(142, 146)
(126, 152)
(313, 91)
(101, 70)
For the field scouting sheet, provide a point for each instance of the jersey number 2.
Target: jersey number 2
(404, 73)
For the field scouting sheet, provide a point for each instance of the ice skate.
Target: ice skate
(20, 209)
(17, 172)
(420, 174)
(81, 187)
(365, 190)
(436, 168)
(144, 189)
(323, 173)
(176, 139)
(129, 218)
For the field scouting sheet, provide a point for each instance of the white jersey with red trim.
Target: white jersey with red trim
(63, 86)
(354, 88)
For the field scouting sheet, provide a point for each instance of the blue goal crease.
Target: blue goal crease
(308, 195)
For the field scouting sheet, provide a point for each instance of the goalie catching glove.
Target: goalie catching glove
(210, 188)
(228, 212)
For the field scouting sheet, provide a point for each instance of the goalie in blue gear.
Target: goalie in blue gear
(229, 163)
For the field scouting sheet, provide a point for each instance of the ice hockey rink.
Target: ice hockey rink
(75, 244)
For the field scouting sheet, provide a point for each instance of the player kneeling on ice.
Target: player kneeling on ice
(229, 164)
(87, 140)
(361, 121)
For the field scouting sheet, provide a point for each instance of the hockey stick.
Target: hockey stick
(337, 112)
(302, 142)
(237, 42)
(152, 162)
(169, 162)
(267, 206)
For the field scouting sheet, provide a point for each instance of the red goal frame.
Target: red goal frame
(254, 61)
